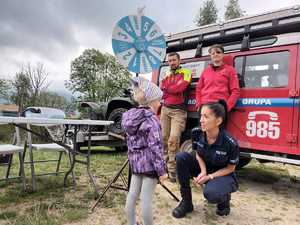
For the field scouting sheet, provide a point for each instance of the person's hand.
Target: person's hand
(199, 177)
(163, 178)
(203, 180)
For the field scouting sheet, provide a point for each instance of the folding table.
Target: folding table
(22, 121)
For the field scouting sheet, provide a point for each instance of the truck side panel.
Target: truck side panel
(264, 113)
(296, 121)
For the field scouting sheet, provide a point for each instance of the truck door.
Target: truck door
(264, 115)
(296, 121)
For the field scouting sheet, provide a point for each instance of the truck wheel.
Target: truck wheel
(116, 116)
(243, 162)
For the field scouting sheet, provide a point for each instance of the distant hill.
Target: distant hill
(67, 94)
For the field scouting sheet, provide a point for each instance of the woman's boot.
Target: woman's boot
(186, 205)
(223, 209)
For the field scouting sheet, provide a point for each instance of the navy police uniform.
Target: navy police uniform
(216, 156)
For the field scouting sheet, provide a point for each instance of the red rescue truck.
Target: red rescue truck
(265, 51)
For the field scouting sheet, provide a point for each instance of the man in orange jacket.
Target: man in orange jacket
(173, 113)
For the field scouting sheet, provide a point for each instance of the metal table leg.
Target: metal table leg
(72, 159)
(88, 163)
(22, 172)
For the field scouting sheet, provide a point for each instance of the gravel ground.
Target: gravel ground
(268, 194)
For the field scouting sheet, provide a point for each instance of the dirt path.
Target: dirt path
(268, 195)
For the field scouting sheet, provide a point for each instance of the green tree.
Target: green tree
(207, 14)
(38, 81)
(21, 93)
(73, 107)
(97, 76)
(233, 10)
(53, 100)
(4, 89)
(27, 86)
(2, 86)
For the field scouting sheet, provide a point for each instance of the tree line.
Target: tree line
(208, 12)
(93, 77)
(29, 87)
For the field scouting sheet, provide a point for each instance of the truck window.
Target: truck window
(196, 68)
(266, 70)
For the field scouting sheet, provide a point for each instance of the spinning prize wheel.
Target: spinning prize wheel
(138, 44)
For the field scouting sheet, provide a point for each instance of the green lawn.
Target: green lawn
(52, 204)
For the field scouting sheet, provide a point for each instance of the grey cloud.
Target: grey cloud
(44, 27)
(34, 26)
(49, 29)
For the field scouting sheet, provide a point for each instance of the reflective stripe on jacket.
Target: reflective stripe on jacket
(174, 85)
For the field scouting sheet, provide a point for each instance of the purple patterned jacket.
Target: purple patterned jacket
(144, 141)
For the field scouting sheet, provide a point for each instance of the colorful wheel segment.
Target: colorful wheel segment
(138, 44)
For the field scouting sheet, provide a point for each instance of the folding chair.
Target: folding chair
(6, 155)
(56, 133)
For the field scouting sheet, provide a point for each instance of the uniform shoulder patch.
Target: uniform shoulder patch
(231, 139)
(196, 129)
(196, 133)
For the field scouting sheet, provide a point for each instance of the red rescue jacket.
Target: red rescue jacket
(174, 85)
(218, 83)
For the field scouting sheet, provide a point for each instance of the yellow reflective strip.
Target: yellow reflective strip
(186, 74)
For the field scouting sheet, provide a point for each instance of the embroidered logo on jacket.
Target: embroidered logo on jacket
(221, 152)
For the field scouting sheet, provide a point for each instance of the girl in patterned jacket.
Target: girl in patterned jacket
(145, 149)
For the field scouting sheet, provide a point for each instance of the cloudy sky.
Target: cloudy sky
(54, 32)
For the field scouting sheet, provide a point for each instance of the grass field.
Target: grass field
(268, 194)
(52, 204)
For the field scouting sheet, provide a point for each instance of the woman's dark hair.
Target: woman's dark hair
(219, 109)
(218, 46)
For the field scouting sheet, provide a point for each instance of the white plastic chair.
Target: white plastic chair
(8, 150)
(56, 132)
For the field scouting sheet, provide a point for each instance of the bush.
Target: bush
(6, 134)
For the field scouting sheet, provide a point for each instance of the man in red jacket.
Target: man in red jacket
(173, 113)
(218, 81)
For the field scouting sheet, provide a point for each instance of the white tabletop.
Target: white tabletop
(24, 120)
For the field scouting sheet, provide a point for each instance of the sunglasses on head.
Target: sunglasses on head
(216, 52)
